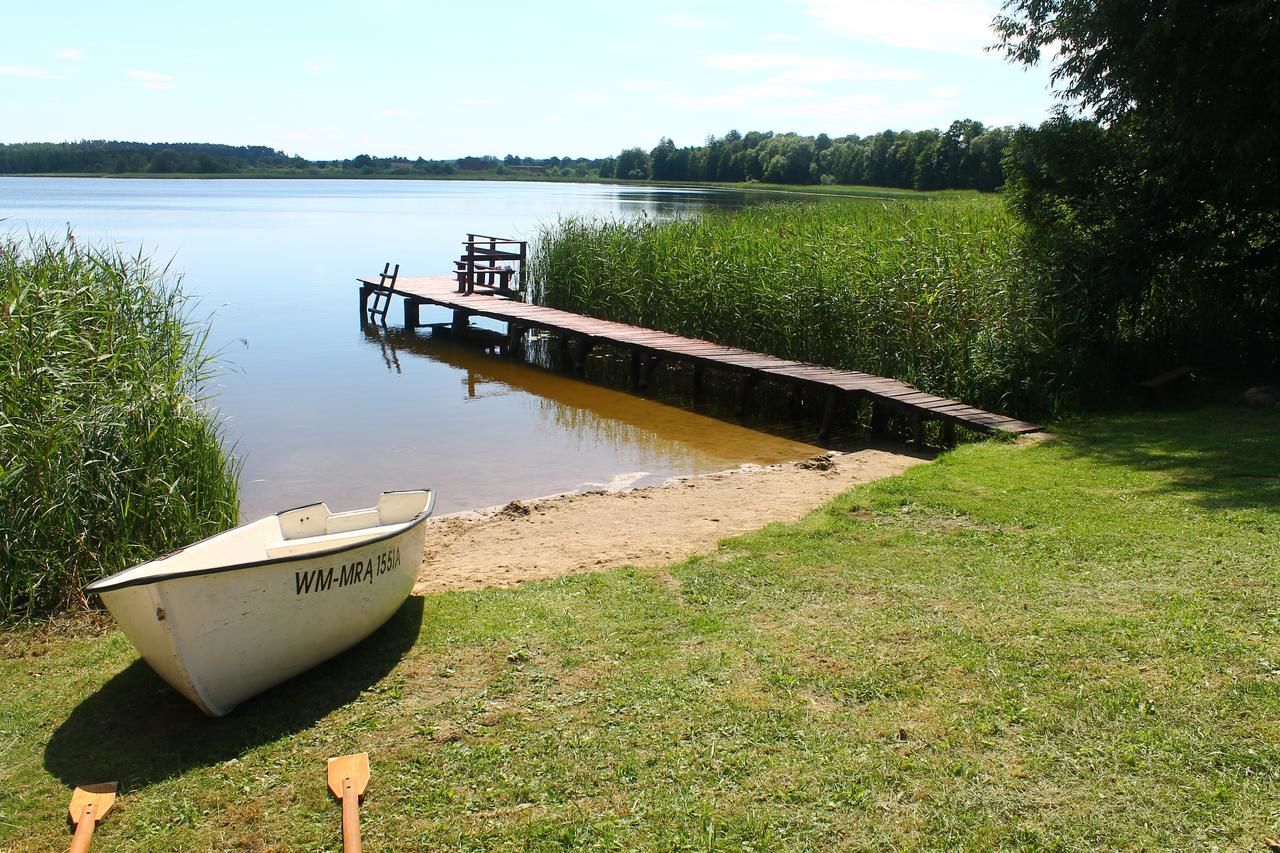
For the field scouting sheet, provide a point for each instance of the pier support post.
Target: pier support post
(879, 420)
(917, 430)
(461, 322)
(411, 315)
(642, 364)
(795, 400)
(580, 353)
(948, 434)
(746, 382)
(829, 415)
(699, 375)
(365, 290)
(515, 338)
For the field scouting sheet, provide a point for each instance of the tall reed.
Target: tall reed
(108, 455)
(932, 292)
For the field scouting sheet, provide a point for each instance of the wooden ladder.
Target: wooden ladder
(383, 292)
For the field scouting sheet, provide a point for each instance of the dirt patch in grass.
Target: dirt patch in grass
(655, 526)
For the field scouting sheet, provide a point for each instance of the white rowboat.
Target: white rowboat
(228, 617)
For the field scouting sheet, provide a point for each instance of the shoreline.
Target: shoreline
(577, 532)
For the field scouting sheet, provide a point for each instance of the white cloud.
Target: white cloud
(742, 96)
(795, 68)
(789, 79)
(19, 71)
(946, 93)
(70, 54)
(944, 26)
(152, 79)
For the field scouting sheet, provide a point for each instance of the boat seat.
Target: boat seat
(304, 521)
(360, 519)
(326, 541)
(315, 523)
(399, 507)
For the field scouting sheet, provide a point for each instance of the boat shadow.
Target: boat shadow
(138, 730)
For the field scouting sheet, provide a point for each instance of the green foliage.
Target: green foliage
(967, 156)
(107, 456)
(930, 292)
(633, 163)
(109, 157)
(1160, 210)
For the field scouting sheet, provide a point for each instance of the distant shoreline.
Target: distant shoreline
(783, 189)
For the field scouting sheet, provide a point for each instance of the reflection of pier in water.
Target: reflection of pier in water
(849, 390)
(594, 413)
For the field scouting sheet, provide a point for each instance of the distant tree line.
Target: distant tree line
(965, 156)
(108, 157)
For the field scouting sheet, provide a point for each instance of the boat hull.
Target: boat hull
(220, 637)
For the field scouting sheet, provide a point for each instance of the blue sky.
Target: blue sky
(332, 80)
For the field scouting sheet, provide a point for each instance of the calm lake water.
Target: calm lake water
(319, 406)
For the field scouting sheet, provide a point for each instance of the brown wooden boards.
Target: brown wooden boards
(442, 290)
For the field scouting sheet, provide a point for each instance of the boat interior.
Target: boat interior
(293, 533)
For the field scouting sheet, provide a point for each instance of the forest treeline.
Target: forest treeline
(965, 156)
(98, 156)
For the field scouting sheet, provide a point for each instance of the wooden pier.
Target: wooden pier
(579, 334)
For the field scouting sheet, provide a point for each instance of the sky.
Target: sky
(440, 80)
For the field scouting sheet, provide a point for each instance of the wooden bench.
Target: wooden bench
(490, 262)
(471, 276)
(1163, 386)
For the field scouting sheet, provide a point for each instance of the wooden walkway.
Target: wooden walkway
(648, 346)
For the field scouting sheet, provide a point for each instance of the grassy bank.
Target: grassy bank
(931, 292)
(107, 456)
(1070, 645)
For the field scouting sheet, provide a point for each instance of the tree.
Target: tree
(164, 161)
(660, 160)
(1155, 188)
(632, 163)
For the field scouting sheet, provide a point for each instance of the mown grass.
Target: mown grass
(107, 455)
(1072, 645)
(933, 292)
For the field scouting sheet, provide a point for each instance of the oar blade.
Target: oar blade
(354, 767)
(102, 796)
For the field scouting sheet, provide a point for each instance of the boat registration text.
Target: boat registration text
(346, 574)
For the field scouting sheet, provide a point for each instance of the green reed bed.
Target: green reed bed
(928, 291)
(107, 455)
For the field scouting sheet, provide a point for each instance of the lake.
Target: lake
(321, 407)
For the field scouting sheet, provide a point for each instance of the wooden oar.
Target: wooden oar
(348, 777)
(89, 805)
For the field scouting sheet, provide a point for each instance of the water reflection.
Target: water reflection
(593, 416)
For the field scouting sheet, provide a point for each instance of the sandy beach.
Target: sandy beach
(592, 531)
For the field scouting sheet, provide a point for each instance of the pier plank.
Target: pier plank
(442, 291)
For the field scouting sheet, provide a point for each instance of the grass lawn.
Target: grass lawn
(1070, 645)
